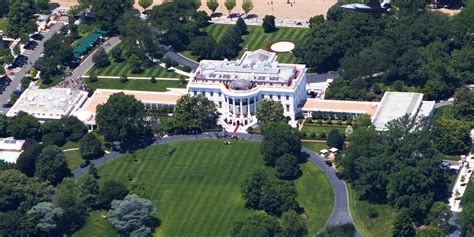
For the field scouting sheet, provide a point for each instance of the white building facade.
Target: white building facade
(238, 87)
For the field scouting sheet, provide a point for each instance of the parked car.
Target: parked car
(85, 163)
(339, 175)
(7, 105)
(31, 45)
(37, 36)
(19, 61)
(328, 162)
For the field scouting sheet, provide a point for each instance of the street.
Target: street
(33, 56)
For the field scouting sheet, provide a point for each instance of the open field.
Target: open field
(96, 226)
(124, 68)
(375, 227)
(197, 189)
(315, 146)
(257, 39)
(301, 9)
(141, 85)
(73, 159)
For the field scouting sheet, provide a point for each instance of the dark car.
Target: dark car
(339, 175)
(85, 163)
(31, 45)
(328, 162)
(19, 61)
(7, 105)
(37, 36)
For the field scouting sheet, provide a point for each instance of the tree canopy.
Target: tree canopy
(25, 126)
(279, 139)
(270, 111)
(131, 215)
(451, 137)
(51, 165)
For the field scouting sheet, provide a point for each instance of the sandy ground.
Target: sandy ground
(300, 9)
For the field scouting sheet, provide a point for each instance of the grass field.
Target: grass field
(315, 146)
(318, 128)
(96, 224)
(73, 159)
(54, 81)
(124, 68)
(257, 39)
(197, 189)
(3, 24)
(376, 227)
(142, 85)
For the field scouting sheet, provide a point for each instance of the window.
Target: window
(220, 94)
(220, 104)
(287, 98)
(287, 108)
(212, 93)
(195, 93)
(279, 97)
(263, 96)
(271, 97)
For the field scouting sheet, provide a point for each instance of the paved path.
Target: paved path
(340, 213)
(175, 56)
(33, 56)
(138, 78)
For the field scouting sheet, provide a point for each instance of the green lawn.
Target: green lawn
(142, 85)
(318, 128)
(257, 39)
(315, 146)
(54, 81)
(3, 24)
(197, 189)
(376, 227)
(96, 226)
(73, 159)
(124, 68)
(446, 112)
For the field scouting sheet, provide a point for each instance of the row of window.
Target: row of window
(220, 94)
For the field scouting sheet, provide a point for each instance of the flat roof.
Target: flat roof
(340, 106)
(9, 156)
(395, 105)
(10, 144)
(48, 103)
(100, 96)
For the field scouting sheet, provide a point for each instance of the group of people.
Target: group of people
(73, 82)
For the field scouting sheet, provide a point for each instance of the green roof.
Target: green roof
(87, 42)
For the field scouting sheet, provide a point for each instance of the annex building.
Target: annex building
(47, 104)
(238, 87)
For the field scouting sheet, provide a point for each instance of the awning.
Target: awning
(87, 42)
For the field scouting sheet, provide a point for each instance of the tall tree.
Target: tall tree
(451, 137)
(121, 118)
(21, 18)
(335, 139)
(193, 113)
(51, 165)
(90, 188)
(463, 104)
(253, 187)
(257, 225)
(229, 5)
(287, 167)
(403, 226)
(212, 5)
(46, 218)
(26, 163)
(107, 12)
(268, 24)
(67, 197)
(293, 224)
(100, 58)
(111, 190)
(247, 6)
(25, 126)
(240, 24)
(270, 111)
(90, 147)
(279, 139)
(131, 215)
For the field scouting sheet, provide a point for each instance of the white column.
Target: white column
(248, 107)
(233, 106)
(241, 109)
(255, 103)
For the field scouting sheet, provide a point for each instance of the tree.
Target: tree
(4, 7)
(316, 21)
(107, 12)
(90, 147)
(229, 5)
(293, 225)
(269, 24)
(203, 47)
(270, 111)
(466, 219)
(24, 126)
(439, 214)
(403, 226)
(463, 104)
(279, 139)
(46, 217)
(67, 197)
(145, 4)
(247, 6)
(153, 79)
(124, 78)
(93, 78)
(20, 18)
(117, 54)
(257, 225)
(335, 139)
(451, 136)
(121, 118)
(193, 113)
(100, 58)
(56, 138)
(409, 6)
(131, 215)
(212, 5)
(253, 187)
(4, 123)
(26, 163)
(51, 165)
(287, 167)
(90, 188)
(240, 24)
(279, 197)
(5, 55)
(111, 190)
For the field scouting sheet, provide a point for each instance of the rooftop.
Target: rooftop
(340, 106)
(48, 103)
(395, 105)
(257, 66)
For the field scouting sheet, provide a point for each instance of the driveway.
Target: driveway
(33, 56)
(173, 55)
(340, 213)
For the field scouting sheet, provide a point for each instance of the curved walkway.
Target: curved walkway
(340, 213)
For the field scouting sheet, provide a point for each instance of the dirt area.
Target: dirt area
(283, 9)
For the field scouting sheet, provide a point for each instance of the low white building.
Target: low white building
(48, 104)
(10, 149)
(238, 87)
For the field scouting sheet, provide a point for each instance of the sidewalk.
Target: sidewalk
(299, 23)
(459, 186)
(137, 78)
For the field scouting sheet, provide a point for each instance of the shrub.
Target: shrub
(153, 79)
(323, 135)
(372, 213)
(93, 78)
(187, 69)
(123, 78)
(313, 134)
(320, 121)
(56, 138)
(90, 147)
(174, 63)
(309, 120)
(339, 122)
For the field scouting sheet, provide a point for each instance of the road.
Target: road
(340, 214)
(173, 55)
(33, 56)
